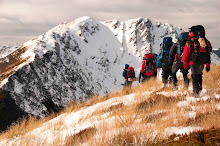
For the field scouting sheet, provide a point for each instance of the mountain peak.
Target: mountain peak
(78, 59)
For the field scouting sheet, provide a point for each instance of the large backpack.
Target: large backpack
(199, 55)
(130, 72)
(165, 50)
(181, 41)
(149, 58)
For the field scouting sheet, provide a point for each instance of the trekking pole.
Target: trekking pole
(139, 78)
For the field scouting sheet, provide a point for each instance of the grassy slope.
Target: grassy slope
(144, 121)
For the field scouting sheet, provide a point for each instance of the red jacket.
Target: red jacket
(144, 65)
(186, 58)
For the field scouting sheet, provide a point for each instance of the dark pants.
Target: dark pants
(175, 68)
(127, 84)
(166, 72)
(145, 78)
(196, 70)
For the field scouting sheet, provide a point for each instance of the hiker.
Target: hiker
(148, 68)
(162, 59)
(175, 59)
(128, 73)
(196, 54)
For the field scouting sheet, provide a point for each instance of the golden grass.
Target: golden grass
(82, 136)
(211, 80)
(24, 125)
(135, 123)
(21, 127)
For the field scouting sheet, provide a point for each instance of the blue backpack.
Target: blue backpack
(181, 41)
(165, 50)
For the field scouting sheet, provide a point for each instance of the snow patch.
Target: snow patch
(180, 130)
(3, 82)
(190, 115)
(5, 51)
(217, 96)
(218, 107)
(182, 103)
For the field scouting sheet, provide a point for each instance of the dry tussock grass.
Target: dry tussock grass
(135, 122)
(24, 125)
(21, 127)
(212, 79)
(80, 137)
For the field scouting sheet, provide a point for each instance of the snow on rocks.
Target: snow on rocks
(5, 51)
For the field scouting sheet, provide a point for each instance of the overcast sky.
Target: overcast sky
(22, 20)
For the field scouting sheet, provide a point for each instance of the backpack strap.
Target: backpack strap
(208, 48)
(161, 49)
(128, 75)
(194, 45)
(178, 48)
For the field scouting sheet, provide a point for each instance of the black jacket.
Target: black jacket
(172, 54)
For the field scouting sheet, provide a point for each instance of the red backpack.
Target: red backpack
(130, 72)
(149, 63)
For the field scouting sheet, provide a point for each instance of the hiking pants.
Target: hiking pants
(127, 84)
(166, 72)
(175, 68)
(146, 78)
(196, 70)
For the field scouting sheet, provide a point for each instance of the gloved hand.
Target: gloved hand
(207, 69)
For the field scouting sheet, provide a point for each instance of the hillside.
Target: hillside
(143, 115)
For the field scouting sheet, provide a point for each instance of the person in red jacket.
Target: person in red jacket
(197, 54)
(148, 68)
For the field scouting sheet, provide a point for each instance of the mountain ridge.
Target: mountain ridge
(80, 59)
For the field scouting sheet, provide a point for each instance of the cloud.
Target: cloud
(36, 16)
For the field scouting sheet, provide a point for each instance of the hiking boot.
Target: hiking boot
(165, 81)
(175, 86)
(200, 82)
(186, 85)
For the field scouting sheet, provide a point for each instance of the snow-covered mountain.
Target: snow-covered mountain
(6, 50)
(78, 59)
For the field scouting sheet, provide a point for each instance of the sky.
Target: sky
(22, 20)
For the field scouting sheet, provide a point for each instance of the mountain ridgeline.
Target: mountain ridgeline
(76, 60)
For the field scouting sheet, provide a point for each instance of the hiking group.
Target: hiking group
(192, 51)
